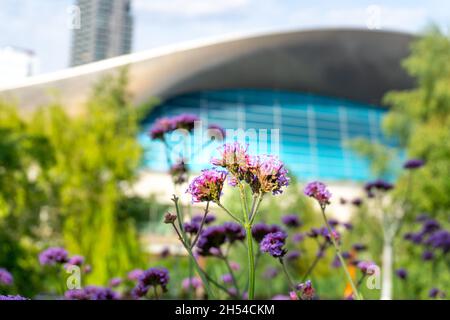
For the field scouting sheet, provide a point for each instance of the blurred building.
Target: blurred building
(319, 88)
(105, 30)
(16, 64)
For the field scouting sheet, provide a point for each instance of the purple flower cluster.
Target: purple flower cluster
(234, 232)
(6, 278)
(167, 125)
(52, 256)
(260, 230)
(367, 267)
(210, 240)
(323, 232)
(264, 173)
(234, 158)
(306, 290)
(413, 164)
(193, 226)
(153, 277)
(318, 191)
(76, 260)
(432, 237)
(401, 273)
(11, 298)
(194, 282)
(291, 221)
(269, 175)
(273, 243)
(92, 293)
(135, 274)
(436, 293)
(379, 185)
(115, 282)
(208, 186)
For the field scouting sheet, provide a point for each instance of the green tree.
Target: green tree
(420, 119)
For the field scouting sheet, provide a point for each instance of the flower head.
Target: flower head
(379, 185)
(270, 175)
(440, 240)
(52, 256)
(234, 232)
(115, 282)
(6, 278)
(234, 157)
(211, 238)
(413, 164)
(367, 267)
(194, 283)
(134, 275)
(216, 132)
(2, 297)
(185, 121)
(76, 260)
(306, 289)
(273, 244)
(318, 191)
(436, 293)
(291, 220)
(153, 277)
(161, 127)
(259, 230)
(401, 273)
(208, 219)
(91, 293)
(227, 278)
(208, 186)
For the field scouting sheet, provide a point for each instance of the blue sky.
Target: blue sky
(41, 25)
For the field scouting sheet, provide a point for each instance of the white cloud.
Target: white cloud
(190, 8)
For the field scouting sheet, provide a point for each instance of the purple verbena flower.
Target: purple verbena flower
(135, 274)
(273, 244)
(211, 238)
(427, 255)
(194, 282)
(199, 217)
(227, 278)
(52, 256)
(367, 267)
(10, 297)
(436, 293)
(318, 191)
(161, 127)
(185, 121)
(234, 232)
(440, 240)
(291, 220)
(259, 230)
(270, 175)
(6, 278)
(208, 186)
(234, 157)
(115, 282)
(306, 289)
(153, 277)
(401, 273)
(76, 260)
(413, 164)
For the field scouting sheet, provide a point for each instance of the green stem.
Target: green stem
(291, 283)
(338, 253)
(251, 262)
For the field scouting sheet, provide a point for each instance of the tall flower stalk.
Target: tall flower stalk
(319, 191)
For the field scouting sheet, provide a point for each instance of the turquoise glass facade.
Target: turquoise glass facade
(313, 130)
